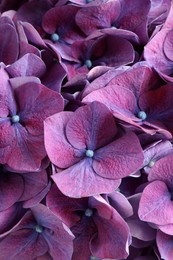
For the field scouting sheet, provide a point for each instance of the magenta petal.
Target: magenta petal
(165, 245)
(155, 205)
(37, 102)
(163, 171)
(121, 101)
(60, 152)
(168, 45)
(91, 127)
(80, 180)
(120, 158)
(167, 229)
(29, 65)
(26, 152)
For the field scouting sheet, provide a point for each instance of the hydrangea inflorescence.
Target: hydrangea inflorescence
(86, 129)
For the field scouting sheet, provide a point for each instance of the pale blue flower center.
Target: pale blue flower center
(142, 115)
(15, 119)
(88, 63)
(88, 212)
(39, 229)
(151, 164)
(89, 153)
(54, 37)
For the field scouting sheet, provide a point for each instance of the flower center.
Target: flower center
(88, 212)
(142, 115)
(89, 153)
(54, 37)
(88, 63)
(15, 119)
(151, 164)
(38, 228)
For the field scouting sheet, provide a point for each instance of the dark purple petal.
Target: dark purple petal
(23, 243)
(99, 16)
(119, 202)
(37, 180)
(57, 20)
(64, 207)
(134, 17)
(9, 48)
(113, 237)
(10, 217)
(11, 189)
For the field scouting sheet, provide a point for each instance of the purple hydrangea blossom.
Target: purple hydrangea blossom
(84, 145)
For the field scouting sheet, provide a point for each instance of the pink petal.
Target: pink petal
(165, 245)
(29, 65)
(37, 102)
(120, 158)
(60, 152)
(163, 171)
(80, 180)
(155, 204)
(91, 127)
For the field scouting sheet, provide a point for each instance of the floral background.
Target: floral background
(86, 129)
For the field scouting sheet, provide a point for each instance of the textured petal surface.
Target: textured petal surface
(165, 245)
(119, 100)
(163, 171)
(80, 180)
(155, 204)
(113, 235)
(91, 127)
(36, 103)
(120, 158)
(60, 152)
(22, 243)
(28, 65)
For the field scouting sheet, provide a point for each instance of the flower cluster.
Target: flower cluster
(86, 129)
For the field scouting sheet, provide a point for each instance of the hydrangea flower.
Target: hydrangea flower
(98, 228)
(86, 146)
(23, 110)
(39, 233)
